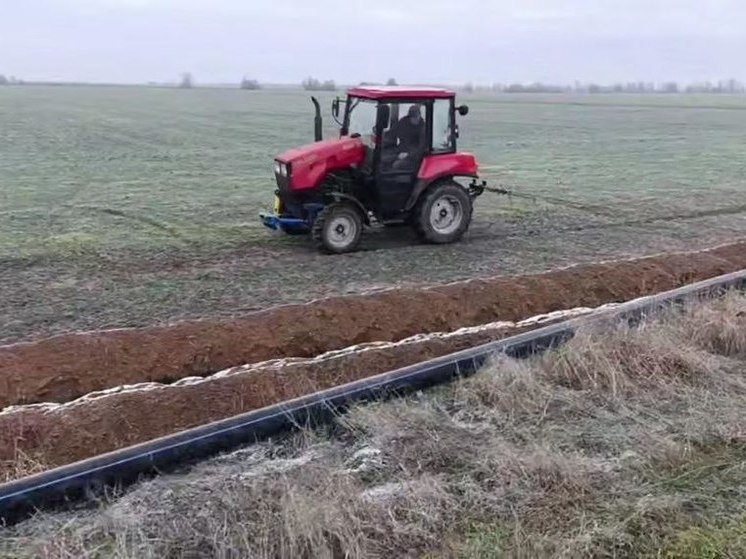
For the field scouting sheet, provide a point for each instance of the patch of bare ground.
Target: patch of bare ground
(624, 443)
(68, 366)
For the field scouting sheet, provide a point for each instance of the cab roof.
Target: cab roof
(380, 92)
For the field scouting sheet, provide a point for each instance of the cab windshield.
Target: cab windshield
(362, 117)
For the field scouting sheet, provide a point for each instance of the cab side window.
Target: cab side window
(442, 132)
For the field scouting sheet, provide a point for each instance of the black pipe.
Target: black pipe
(20, 497)
(317, 122)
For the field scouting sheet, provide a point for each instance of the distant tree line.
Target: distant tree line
(247, 83)
(728, 86)
(187, 81)
(313, 84)
(10, 80)
(731, 86)
(390, 81)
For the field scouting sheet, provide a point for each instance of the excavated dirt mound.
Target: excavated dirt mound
(64, 367)
(57, 434)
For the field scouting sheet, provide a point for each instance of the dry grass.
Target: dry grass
(21, 465)
(719, 328)
(622, 444)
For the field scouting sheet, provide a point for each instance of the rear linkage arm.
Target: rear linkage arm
(477, 188)
(589, 208)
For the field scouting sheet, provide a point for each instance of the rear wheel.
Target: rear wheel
(444, 213)
(337, 228)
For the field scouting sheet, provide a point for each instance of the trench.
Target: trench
(56, 434)
(68, 366)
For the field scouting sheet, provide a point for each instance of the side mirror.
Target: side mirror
(463, 110)
(336, 108)
(382, 118)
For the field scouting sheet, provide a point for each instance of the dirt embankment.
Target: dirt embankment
(64, 367)
(57, 434)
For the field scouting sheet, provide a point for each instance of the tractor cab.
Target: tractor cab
(400, 128)
(395, 162)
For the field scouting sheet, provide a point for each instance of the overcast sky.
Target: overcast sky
(444, 41)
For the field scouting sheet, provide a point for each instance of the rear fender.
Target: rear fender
(437, 168)
(423, 184)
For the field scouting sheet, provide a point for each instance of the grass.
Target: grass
(138, 168)
(115, 202)
(710, 542)
(23, 465)
(625, 443)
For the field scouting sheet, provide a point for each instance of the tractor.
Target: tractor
(394, 163)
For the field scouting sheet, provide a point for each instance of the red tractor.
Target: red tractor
(395, 162)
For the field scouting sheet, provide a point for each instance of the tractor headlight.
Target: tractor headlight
(281, 168)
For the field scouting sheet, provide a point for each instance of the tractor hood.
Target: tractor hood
(320, 150)
(310, 164)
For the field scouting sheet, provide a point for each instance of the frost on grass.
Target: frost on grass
(624, 443)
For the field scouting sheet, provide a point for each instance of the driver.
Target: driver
(410, 132)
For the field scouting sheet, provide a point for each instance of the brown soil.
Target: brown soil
(64, 367)
(108, 421)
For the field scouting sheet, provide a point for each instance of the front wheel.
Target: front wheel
(338, 228)
(444, 213)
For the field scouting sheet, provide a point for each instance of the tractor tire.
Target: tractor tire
(443, 213)
(337, 228)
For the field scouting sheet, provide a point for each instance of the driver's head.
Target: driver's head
(414, 114)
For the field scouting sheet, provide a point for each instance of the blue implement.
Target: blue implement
(287, 224)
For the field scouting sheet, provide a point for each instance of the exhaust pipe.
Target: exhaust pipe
(317, 121)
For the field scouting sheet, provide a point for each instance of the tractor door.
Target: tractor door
(404, 144)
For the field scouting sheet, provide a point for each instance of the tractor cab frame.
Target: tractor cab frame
(393, 172)
(395, 162)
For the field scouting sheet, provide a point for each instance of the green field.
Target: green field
(123, 206)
